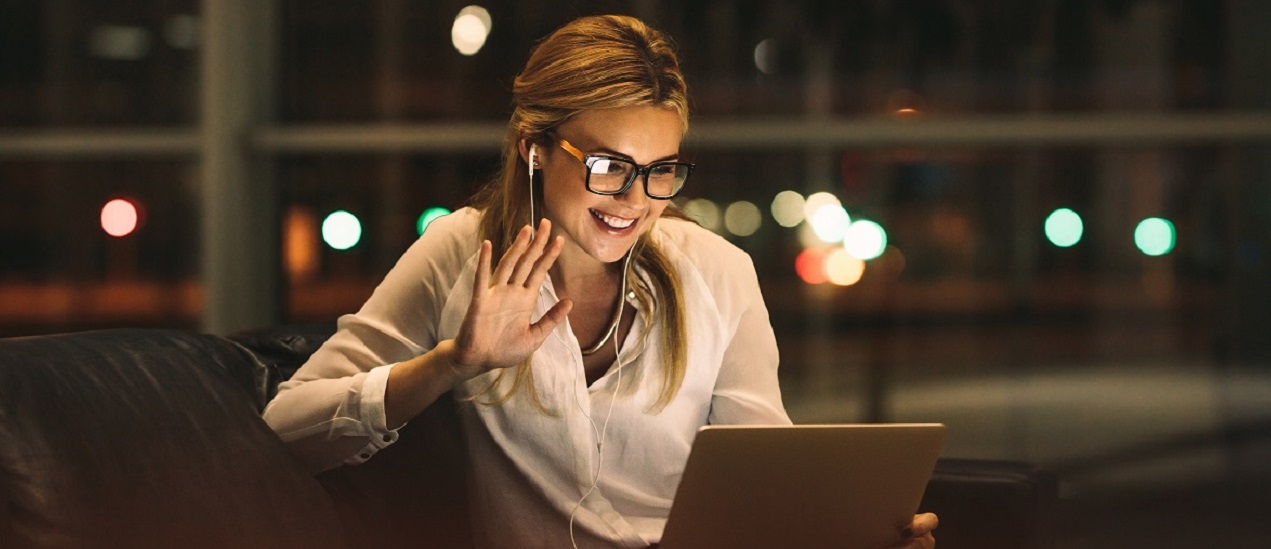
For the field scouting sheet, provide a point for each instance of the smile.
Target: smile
(611, 221)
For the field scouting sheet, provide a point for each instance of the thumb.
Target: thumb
(551, 319)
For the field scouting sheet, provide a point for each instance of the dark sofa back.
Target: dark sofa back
(413, 493)
(146, 438)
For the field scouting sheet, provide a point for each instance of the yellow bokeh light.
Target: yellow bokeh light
(843, 268)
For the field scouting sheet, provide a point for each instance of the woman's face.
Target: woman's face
(605, 227)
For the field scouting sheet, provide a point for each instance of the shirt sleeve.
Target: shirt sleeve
(331, 411)
(747, 390)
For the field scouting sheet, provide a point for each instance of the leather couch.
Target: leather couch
(153, 438)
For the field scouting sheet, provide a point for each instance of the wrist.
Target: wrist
(448, 366)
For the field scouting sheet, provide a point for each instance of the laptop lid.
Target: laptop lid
(840, 486)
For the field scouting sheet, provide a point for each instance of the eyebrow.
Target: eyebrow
(611, 152)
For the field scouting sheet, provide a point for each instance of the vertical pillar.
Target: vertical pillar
(389, 239)
(1248, 299)
(240, 261)
(825, 366)
(1246, 309)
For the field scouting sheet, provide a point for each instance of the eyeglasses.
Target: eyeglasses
(609, 175)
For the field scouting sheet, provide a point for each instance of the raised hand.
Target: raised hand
(497, 331)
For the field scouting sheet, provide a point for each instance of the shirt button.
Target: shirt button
(388, 438)
(365, 456)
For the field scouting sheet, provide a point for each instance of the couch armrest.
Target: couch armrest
(985, 504)
(146, 438)
(279, 351)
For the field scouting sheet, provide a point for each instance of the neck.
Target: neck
(574, 268)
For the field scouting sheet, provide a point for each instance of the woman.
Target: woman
(567, 343)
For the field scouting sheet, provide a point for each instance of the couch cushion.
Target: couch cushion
(987, 504)
(145, 438)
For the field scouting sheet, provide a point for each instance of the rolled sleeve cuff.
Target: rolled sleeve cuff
(374, 418)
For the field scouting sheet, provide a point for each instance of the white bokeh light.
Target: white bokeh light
(704, 211)
(865, 239)
(766, 56)
(816, 200)
(787, 208)
(830, 222)
(742, 218)
(471, 28)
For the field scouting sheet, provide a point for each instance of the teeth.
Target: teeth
(615, 222)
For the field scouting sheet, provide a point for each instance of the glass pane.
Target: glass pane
(98, 243)
(86, 63)
(391, 59)
(330, 271)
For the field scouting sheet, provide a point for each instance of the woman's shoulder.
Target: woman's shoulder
(460, 226)
(704, 249)
(451, 238)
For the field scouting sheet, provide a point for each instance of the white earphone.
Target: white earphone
(530, 163)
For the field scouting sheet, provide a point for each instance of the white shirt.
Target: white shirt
(529, 469)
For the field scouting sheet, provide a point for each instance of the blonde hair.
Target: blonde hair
(599, 62)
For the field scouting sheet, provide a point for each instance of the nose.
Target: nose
(635, 194)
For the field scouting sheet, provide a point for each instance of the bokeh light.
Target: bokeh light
(704, 211)
(830, 223)
(120, 217)
(300, 245)
(428, 216)
(471, 28)
(341, 230)
(1064, 228)
(816, 200)
(766, 56)
(865, 239)
(787, 208)
(742, 218)
(810, 265)
(1155, 236)
(842, 268)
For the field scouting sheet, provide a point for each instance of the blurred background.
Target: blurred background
(1045, 224)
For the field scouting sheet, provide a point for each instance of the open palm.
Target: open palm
(497, 331)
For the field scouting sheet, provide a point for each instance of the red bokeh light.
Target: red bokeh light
(120, 217)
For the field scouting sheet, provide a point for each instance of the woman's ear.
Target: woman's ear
(529, 152)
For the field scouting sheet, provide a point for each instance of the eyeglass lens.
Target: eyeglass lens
(610, 175)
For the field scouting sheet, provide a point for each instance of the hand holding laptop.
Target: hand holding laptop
(918, 535)
(807, 486)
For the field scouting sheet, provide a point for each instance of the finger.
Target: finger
(925, 542)
(552, 318)
(923, 524)
(544, 263)
(482, 277)
(504, 271)
(527, 262)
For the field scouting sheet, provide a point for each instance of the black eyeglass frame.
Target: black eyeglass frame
(589, 159)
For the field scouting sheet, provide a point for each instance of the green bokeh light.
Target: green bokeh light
(341, 230)
(428, 216)
(1064, 228)
(1155, 236)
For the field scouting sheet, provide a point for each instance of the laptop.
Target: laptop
(807, 486)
